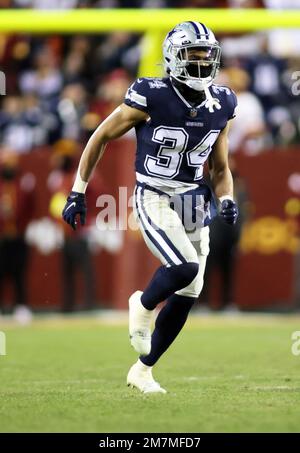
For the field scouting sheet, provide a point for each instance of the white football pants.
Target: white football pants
(167, 238)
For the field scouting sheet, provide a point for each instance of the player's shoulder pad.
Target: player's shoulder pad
(227, 97)
(142, 90)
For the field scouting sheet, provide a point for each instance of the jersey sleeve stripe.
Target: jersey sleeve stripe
(133, 96)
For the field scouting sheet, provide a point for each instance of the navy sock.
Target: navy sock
(166, 281)
(169, 323)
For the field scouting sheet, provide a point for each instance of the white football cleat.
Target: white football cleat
(140, 377)
(139, 324)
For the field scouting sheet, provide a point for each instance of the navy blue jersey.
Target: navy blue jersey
(177, 139)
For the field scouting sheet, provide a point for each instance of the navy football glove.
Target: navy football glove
(229, 211)
(74, 206)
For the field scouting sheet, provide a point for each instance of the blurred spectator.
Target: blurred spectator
(5, 3)
(16, 210)
(113, 52)
(248, 130)
(78, 62)
(269, 85)
(110, 94)
(136, 3)
(70, 109)
(245, 3)
(73, 67)
(46, 4)
(46, 79)
(265, 72)
(197, 4)
(223, 253)
(23, 124)
(282, 4)
(76, 255)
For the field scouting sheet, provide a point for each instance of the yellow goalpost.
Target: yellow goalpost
(152, 22)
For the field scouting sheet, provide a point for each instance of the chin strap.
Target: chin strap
(211, 102)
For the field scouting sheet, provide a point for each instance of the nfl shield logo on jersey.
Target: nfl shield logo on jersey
(193, 113)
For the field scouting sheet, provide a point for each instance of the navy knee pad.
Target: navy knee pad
(187, 272)
(166, 281)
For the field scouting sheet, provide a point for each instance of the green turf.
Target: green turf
(222, 375)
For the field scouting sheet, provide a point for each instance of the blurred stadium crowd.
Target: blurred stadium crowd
(63, 86)
(69, 4)
(59, 88)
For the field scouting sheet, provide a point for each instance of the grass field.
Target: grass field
(224, 374)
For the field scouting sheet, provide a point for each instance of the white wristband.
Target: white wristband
(225, 197)
(79, 185)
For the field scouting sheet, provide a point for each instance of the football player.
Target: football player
(181, 121)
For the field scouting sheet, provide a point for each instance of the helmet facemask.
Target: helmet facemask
(196, 65)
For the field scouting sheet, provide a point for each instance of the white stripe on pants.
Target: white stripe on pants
(167, 238)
